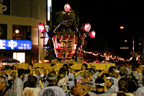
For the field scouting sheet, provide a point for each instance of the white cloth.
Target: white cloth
(95, 75)
(45, 84)
(113, 89)
(71, 80)
(25, 78)
(17, 86)
(115, 80)
(129, 70)
(140, 82)
(78, 77)
(63, 82)
(31, 91)
(52, 91)
(140, 91)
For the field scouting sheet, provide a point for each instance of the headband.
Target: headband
(100, 84)
(107, 77)
(52, 78)
(84, 83)
(116, 71)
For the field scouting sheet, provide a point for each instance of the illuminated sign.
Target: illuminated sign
(46, 40)
(15, 44)
(124, 47)
(49, 9)
(41, 28)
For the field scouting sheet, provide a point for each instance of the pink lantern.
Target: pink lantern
(74, 46)
(67, 7)
(87, 27)
(92, 34)
(41, 28)
(56, 45)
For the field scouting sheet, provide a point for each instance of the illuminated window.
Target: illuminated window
(20, 56)
(21, 32)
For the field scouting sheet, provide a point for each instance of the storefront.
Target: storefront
(17, 49)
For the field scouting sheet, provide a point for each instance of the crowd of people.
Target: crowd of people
(125, 79)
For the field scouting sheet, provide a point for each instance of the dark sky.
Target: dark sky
(106, 16)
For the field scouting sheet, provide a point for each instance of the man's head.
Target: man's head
(82, 87)
(86, 74)
(113, 71)
(52, 77)
(62, 72)
(84, 66)
(100, 84)
(32, 81)
(21, 73)
(123, 84)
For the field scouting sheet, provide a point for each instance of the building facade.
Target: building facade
(19, 20)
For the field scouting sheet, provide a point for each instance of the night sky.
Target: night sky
(106, 16)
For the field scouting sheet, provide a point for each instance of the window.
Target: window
(20, 56)
(21, 32)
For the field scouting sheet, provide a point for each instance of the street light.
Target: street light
(17, 31)
(125, 41)
(121, 27)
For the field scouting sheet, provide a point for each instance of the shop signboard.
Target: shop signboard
(6, 44)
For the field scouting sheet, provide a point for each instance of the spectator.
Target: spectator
(26, 75)
(100, 90)
(140, 91)
(17, 85)
(52, 89)
(82, 87)
(80, 74)
(139, 70)
(124, 73)
(114, 74)
(52, 79)
(31, 90)
(95, 75)
(123, 88)
(63, 78)
(109, 84)
(133, 83)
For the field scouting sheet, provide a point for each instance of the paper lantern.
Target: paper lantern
(67, 8)
(87, 27)
(92, 34)
(41, 28)
(56, 45)
(74, 46)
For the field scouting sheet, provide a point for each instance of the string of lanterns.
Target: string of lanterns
(108, 57)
